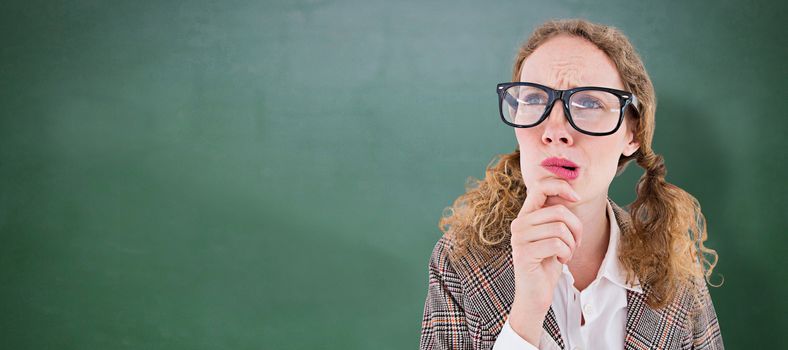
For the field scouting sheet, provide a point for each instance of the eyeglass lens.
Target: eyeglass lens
(590, 110)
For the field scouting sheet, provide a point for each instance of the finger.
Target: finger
(552, 230)
(557, 213)
(537, 195)
(549, 247)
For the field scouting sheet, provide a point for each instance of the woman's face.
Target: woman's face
(565, 62)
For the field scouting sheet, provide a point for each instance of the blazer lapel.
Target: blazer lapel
(638, 313)
(649, 328)
(550, 326)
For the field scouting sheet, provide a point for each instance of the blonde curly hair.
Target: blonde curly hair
(666, 251)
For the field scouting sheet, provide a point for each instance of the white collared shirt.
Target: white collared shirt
(603, 304)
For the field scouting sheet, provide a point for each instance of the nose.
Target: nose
(557, 127)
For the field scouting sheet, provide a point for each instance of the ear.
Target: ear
(631, 146)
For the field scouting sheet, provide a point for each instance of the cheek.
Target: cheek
(525, 137)
(603, 161)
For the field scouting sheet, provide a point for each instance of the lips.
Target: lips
(562, 167)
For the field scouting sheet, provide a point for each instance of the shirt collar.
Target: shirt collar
(611, 267)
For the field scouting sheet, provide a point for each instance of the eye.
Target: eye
(534, 99)
(587, 102)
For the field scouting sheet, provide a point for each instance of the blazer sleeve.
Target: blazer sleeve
(443, 324)
(705, 326)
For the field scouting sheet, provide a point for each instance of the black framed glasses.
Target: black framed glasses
(592, 110)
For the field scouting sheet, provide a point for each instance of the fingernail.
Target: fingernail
(575, 196)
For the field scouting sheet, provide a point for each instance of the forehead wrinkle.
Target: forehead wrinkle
(567, 73)
(564, 63)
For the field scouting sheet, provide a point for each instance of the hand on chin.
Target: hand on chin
(553, 200)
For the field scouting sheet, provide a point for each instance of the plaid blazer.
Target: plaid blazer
(466, 307)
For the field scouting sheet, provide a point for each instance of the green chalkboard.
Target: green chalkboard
(270, 174)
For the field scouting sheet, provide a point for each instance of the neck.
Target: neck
(596, 229)
(588, 258)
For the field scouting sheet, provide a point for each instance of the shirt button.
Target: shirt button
(587, 308)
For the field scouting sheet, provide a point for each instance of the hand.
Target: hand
(543, 238)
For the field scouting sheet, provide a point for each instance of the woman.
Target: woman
(537, 255)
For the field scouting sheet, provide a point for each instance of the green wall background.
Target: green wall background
(246, 175)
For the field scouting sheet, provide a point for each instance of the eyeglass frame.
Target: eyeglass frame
(625, 98)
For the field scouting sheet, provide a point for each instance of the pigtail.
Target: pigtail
(667, 250)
